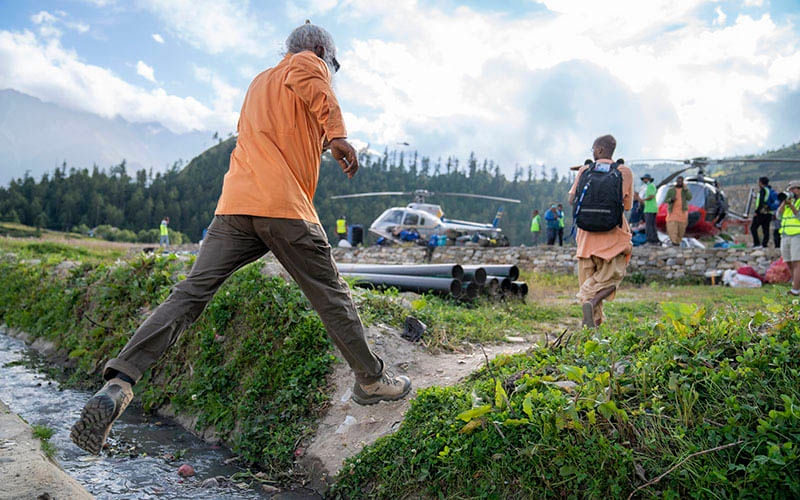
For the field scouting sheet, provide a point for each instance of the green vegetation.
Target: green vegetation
(710, 397)
(705, 393)
(71, 198)
(43, 434)
(54, 252)
(452, 324)
(253, 368)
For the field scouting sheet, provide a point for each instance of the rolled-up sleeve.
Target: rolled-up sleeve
(309, 79)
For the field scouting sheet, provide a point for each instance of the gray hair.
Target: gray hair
(310, 36)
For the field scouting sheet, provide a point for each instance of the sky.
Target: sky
(518, 81)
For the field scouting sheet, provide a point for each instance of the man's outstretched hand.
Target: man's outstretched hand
(346, 155)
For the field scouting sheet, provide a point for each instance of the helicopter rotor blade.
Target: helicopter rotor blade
(673, 175)
(380, 193)
(483, 196)
(651, 160)
(749, 160)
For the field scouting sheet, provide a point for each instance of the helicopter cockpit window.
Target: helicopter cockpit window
(411, 220)
(698, 194)
(393, 217)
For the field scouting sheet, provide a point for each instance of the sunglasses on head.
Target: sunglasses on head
(336, 65)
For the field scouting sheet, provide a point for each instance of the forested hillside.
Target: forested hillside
(72, 196)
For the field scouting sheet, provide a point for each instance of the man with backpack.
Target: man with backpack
(767, 202)
(602, 191)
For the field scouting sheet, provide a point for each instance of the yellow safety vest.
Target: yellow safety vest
(164, 230)
(790, 224)
(341, 226)
(536, 224)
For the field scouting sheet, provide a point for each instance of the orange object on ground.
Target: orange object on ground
(288, 112)
(778, 272)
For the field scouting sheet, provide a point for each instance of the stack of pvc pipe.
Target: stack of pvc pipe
(464, 282)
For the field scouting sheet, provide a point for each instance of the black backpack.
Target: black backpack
(598, 206)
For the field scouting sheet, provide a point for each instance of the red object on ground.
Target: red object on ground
(749, 271)
(778, 272)
(186, 470)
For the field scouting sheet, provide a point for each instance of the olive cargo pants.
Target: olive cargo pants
(231, 242)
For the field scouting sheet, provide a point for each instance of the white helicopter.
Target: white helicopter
(397, 224)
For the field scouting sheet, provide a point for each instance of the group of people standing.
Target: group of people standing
(554, 225)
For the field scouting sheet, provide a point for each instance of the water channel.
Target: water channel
(138, 464)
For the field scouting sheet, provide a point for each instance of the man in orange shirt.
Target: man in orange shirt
(602, 256)
(289, 116)
(677, 201)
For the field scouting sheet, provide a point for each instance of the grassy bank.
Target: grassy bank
(253, 368)
(710, 399)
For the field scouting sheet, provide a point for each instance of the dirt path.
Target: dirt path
(25, 471)
(348, 427)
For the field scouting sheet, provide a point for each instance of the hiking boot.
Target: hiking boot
(91, 430)
(588, 315)
(388, 388)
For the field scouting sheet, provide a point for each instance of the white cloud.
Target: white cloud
(664, 80)
(47, 23)
(721, 16)
(215, 26)
(754, 3)
(101, 3)
(226, 97)
(299, 11)
(145, 71)
(158, 38)
(45, 69)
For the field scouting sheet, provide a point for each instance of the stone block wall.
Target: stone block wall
(667, 263)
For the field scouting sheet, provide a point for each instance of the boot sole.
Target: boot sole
(588, 315)
(377, 399)
(91, 430)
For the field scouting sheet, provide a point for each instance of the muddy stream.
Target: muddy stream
(137, 463)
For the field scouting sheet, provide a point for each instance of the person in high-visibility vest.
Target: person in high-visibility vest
(536, 227)
(341, 227)
(648, 194)
(560, 225)
(789, 211)
(164, 231)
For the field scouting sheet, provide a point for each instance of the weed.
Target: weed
(43, 434)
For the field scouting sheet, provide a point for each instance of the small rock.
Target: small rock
(567, 385)
(517, 340)
(348, 421)
(186, 470)
(210, 483)
(269, 488)
(347, 395)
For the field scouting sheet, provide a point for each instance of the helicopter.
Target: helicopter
(401, 224)
(709, 205)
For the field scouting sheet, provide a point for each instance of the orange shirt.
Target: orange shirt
(607, 244)
(287, 113)
(677, 213)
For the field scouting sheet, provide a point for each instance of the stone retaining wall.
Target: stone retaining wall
(667, 263)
